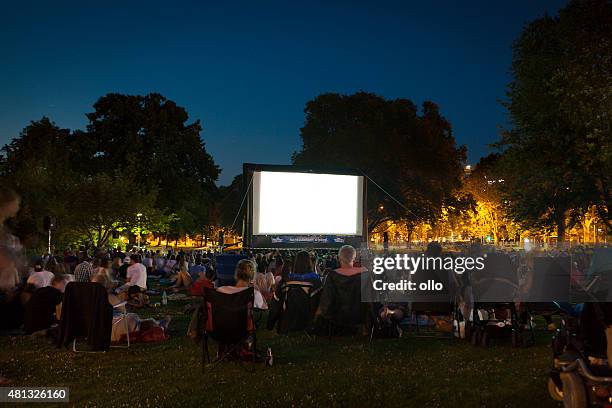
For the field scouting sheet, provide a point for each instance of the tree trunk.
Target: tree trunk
(561, 230)
(410, 230)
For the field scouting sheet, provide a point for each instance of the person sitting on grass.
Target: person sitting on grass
(264, 282)
(136, 278)
(183, 279)
(39, 277)
(196, 268)
(205, 280)
(134, 322)
(45, 306)
(245, 274)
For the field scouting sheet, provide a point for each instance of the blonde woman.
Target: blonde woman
(183, 279)
(245, 275)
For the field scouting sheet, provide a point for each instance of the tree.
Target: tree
(227, 210)
(39, 164)
(148, 138)
(411, 154)
(97, 207)
(557, 157)
(138, 155)
(483, 184)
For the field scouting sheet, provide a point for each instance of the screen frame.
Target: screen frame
(265, 241)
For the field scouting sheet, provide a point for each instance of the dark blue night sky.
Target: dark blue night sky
(247, 69)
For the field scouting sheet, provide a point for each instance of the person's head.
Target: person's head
(9, 203)
(102, 279)
(96, 263)
(134, 259)
(278, 263)
(262, 266)
(51, 264)
(434, 249)
(37, 265)
(245, 271)
(346, 256)
(105, 263)
(58, 269)
(302, 263)
(210, 274)
(59, 282)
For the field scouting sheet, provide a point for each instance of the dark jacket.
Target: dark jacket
(86, 312)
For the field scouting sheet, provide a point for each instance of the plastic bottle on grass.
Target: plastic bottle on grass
(164, 298)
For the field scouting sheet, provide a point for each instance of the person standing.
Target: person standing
(10, 249)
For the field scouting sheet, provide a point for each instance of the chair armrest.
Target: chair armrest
(120, 304)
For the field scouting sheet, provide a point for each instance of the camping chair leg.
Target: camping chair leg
(226, 356)
(254, 349)
(127, 331)
(205, 353)
(84, 351)
(531, 330)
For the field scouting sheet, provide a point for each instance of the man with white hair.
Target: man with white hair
(340, 308)
(346, 258)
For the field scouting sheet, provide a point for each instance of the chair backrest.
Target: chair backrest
(86, 312)
(497, 281)
(229, 317)
(341, 300)
(551, 280)
(298, 306)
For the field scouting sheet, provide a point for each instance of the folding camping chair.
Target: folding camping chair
(86, 313)
(439, 302)
(340, 307)
(494, 313)
(229, 321)
(295, 307)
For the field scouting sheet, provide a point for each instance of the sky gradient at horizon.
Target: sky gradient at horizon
(246, 70)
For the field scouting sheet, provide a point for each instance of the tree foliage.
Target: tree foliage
(408, 152)
(138, 156)
(557, 157)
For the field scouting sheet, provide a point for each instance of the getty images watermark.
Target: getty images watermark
(411, 277)
(407, 266)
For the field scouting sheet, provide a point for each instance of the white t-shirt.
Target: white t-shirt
(259, 300)
(138, 275)
(41, 279)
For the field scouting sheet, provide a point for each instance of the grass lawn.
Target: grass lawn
(307, 372)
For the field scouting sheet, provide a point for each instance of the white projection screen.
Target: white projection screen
(291, 203)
